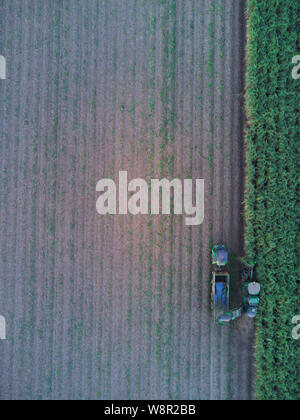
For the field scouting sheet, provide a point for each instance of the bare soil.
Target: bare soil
(118, 307)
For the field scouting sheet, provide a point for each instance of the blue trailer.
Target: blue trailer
(220, 293)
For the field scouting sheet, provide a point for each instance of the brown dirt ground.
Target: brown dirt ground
(118, 307)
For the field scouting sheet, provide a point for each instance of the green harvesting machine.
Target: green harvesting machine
(221, 289)
(251, 292)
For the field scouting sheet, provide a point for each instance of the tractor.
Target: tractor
(219, 256)
(251, 292)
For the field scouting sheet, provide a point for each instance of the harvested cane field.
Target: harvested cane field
(118, 307)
